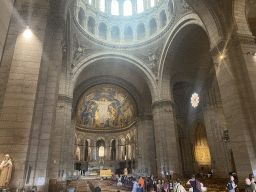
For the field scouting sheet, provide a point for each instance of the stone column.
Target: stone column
(23, 58)
(165, 138)
(145, 5)
(218, 149)
(134, 7)
(108, 6)
(232, 77)
(94, 150)
(117, 150)
(146, 146)
(121, 8)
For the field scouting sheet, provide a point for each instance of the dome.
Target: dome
(123, 21)
(105, 107)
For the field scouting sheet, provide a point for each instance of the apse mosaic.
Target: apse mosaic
(104, 106)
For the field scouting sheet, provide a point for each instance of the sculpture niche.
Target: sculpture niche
(6, 170)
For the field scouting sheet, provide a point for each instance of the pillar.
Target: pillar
(24, 62)
(237, 99)
(167, 158)
(146, 146)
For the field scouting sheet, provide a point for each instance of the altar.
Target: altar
(105, 173)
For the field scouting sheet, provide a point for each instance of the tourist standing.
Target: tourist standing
(194, 183)
(250, 183)
(135, 185)
(151, 182)
(231, 184)
(178, 187)
(141, 183)
(159, 186)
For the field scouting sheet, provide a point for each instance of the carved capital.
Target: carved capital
(162, 103)
(145, 117)
(65, 99)
(242, 39)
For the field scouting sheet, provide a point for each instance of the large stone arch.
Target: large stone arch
(164, 81)
(209, 19)
(147, 74)
(239, 15)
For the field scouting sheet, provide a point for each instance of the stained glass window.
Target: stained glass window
(127, 8)
(195, 100)
(152, 3)
(140, 6)
(115, 7)
(101, 151)
(102, 5)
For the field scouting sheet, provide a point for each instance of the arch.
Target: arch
(100, 144)
(163, 72)
(239, 14)
(91, 25)
(141, 31)
(128, 34)
(152, 26)
(146, 72)
(81, 17)
(163, 19)
(115, 33)
(201, 149)
(102, 30)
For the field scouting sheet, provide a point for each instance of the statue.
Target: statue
(6, 170)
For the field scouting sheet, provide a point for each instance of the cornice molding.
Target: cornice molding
(162, 103)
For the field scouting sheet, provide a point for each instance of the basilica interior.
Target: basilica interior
(157, 87)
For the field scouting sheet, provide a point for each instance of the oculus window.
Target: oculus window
(195, 100)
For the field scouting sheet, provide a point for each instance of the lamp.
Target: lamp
(27, 33)
(225, 136)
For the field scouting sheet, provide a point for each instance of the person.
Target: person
(178, 187)
(194, 183)
(250, 183)
(6, 170)
(159, 186)
(249, 187)
(141, 182)
(135, 185)
(165, 186)
(231, 184)
(151, 182)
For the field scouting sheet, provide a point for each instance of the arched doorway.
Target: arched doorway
(201, 151)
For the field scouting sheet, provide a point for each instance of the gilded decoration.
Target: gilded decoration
(105, 106)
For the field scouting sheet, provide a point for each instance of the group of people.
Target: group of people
(152, 185)
(250, 182)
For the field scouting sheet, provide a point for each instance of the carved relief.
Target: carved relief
(185, 6)
(79, 50)
(152, 58)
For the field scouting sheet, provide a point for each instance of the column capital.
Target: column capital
(162, 103)
(145, 117)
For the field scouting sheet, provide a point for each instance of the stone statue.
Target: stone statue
(6, 171)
